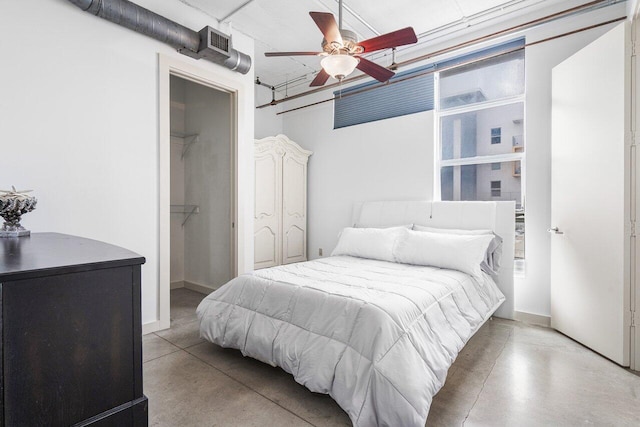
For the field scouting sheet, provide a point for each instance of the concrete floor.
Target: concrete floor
(508, 374)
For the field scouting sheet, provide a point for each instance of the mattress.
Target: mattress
(378, 337)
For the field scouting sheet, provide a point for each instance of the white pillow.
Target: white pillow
(462, 252)
(417, 227)
(409, 226)
(373, 243)
(491, 264)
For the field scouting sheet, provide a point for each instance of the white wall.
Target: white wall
(393, 159)
(80, 124)
(267, 121)
(385, 160)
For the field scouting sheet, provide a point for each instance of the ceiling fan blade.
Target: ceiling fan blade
(320, 79)
(393, 39)
(328, 25)
(292, 53)
(374, 70)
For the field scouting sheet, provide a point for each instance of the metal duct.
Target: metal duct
(208, 43)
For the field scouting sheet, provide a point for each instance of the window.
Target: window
(496, 189)
(480, 130)
(496, 135)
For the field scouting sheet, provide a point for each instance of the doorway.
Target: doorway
(198, 203)
(201, 191)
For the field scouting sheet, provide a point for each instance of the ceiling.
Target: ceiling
(285, 25)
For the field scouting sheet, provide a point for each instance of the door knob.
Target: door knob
(555, 230)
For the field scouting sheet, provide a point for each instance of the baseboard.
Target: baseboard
(150, 327)
(206, 290)
(532, 319)
(177, 284)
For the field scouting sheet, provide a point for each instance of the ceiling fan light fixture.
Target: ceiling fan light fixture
(339, 66)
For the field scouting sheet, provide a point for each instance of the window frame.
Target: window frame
(495, 188)
(498, 136)
(476, 160)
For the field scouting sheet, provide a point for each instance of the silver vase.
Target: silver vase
(12, 206)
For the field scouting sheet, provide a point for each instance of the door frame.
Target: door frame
(633, 136)
(167, 67)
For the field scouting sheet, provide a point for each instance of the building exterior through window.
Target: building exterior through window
(480, 119)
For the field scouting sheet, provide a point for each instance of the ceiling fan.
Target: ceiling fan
(343, 53)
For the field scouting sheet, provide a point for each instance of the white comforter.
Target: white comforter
(377, 336)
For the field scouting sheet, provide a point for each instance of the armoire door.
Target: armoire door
(590, 212)
(294, 201)
(268, 205)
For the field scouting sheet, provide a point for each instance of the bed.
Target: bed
(377, 335)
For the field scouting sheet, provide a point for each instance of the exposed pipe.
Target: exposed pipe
(208, 43)
(273, 89)
(530, 24)
(462, 64)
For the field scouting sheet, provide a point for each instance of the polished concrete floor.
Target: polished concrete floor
(509, 374)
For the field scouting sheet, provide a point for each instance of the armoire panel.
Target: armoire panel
(281, 188)
(265, 186)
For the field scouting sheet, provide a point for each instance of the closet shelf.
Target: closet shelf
(188, 141)
(186, 210)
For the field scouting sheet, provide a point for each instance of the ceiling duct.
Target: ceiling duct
(209, 43)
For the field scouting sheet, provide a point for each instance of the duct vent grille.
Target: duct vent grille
(219, 41)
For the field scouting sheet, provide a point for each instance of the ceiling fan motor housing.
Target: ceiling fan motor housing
(349, 44)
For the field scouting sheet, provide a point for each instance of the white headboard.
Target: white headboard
(496, 216)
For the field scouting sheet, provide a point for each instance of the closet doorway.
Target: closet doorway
(201, 224)
(198, 150)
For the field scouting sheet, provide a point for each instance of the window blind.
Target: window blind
(364, 103)
(404, 95)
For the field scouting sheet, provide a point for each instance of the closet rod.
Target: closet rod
(187, 210)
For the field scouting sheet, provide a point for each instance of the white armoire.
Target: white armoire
(280, 221)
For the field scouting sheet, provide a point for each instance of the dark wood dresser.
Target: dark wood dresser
(71, 347)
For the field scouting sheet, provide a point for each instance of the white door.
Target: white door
(590, 281)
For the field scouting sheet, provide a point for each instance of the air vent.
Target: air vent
(218, 41)
(212, 39)
(208, 43)
(218, 47)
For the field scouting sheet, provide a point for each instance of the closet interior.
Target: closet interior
(201, 188)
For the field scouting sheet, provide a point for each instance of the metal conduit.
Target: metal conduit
(526, 25)
(424, 73)
(186, 41)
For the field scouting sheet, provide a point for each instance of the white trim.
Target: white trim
(177, 284)
(481, 106)
(196, 287)
(168, 66)
(532, 319)
(150, 327)
(634, 94)
(437, 190)
(496, 158)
